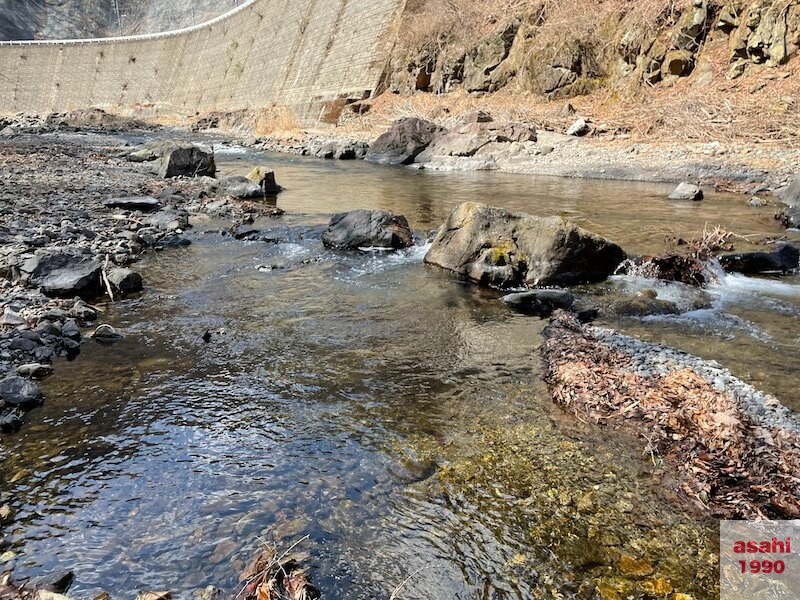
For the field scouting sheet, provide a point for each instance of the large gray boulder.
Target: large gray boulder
(186, 160)
(19, 392)
(403, 142)
(367, 229)
(64, 273)
(495, 247)
(467, 139)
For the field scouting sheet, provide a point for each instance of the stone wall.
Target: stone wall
(306, 54)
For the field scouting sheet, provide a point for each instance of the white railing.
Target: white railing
(132, 38)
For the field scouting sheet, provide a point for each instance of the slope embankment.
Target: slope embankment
(310, 55)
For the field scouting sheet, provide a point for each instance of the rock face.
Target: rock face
(19, 392)
(687, 191)
(495, 247)
(403, 142)
(782, 260)
(482, 60)
(65, 273)
(368, 229)
(186, 160)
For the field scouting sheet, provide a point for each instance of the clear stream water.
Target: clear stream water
(389, 412)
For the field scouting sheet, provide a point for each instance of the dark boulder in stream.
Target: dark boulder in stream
(125, 281)
(782, 260)
(368, 229)
(495, 247)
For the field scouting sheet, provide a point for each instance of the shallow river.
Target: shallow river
(389, 412)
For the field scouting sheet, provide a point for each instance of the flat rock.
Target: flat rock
(141, 203)
(540, 303)
(367, 229)
(34, 370)
(19, 392)
(466, 140)
(11, 318)
(167, 220)
(495, 247)
(63, 273)
(578, 128)
(687, 191)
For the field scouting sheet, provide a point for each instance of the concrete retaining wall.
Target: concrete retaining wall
(305, 54)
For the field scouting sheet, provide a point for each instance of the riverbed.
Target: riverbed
(388, 411)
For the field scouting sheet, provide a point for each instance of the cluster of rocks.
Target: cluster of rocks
(312, 145)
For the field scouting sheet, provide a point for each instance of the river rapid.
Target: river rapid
(389, 412)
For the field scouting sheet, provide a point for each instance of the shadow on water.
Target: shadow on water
(391, 413)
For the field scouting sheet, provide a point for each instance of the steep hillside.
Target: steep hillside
(62, 19)
(702, 69)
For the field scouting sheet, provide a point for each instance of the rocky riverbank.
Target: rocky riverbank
(758, 170)
(78, 211)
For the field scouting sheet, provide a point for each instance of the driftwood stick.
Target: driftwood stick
(104, 274)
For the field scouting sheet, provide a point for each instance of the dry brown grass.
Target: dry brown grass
(278, 122)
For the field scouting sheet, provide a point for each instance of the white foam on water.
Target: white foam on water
(231, 149)
(741, 285)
